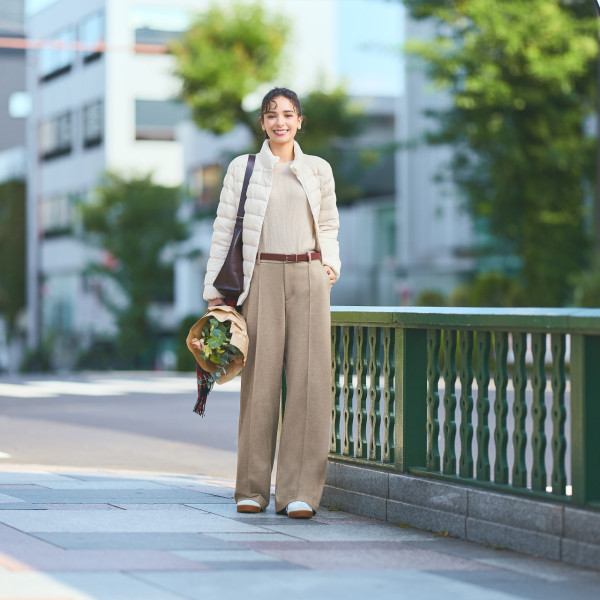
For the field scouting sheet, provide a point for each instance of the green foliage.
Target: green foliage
(431, 298)
(227, 53)
(489, 288)
(134, 220)
(218, 350)
(586, 292)
(522, 76)
(185, 359)
(12, 251)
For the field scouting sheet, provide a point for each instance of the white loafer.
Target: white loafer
(299, 510)
(248, 506)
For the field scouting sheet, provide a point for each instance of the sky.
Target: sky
(32, 6)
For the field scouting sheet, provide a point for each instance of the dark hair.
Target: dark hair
(275, 93)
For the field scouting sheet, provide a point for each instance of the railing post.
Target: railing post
(585, 418)
(410, 354)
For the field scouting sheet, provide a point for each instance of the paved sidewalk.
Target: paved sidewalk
(71, 534)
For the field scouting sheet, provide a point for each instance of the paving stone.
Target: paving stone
(126, 521)
(426, 518)
(428, 494)
(530, 542)
(80, 586)
(300, 585)
(57, 506)
(354, 558)
(151, 506)
(522, 513)
(23, 477)
(362, 504)
(582, 525)
(136, 541)
(255, 537)
(260, 565)
(367, 481)
(225, 555)
(104, 484)
(516, 585)
(21, 505)
(165, 495)
(6, 499)
(379, 532)
(58, 560)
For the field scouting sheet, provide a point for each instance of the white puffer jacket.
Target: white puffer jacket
(316, 178)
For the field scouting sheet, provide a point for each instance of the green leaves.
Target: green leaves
(12, 251)
(522, 77)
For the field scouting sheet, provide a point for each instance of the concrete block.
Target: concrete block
(359, 479)
(425, 518)
(330, 478)
(436, 495)
(527, 541)
(517, 512)
(354, 502)
(582, 525)
(580, 553)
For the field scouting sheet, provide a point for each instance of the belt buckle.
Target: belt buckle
(288, 258)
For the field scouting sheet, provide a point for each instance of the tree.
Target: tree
(12, 251)
(522, 77)
(134, 220)
(227, 53)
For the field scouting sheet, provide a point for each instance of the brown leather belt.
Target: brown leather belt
(291, 258)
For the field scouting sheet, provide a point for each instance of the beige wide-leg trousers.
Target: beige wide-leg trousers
(287, 313)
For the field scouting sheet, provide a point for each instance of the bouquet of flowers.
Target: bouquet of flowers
(219, 343)
(216, 347)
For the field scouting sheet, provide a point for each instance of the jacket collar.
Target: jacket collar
(269, 160)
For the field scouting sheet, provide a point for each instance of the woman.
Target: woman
(291, 260)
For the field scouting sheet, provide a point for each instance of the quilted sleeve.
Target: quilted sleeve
(329, 222)
(222, 233)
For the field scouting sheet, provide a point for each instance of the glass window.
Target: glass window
(56, 59)
(93, 124)
(57, 215)
(56, 137)
(156, 119)
(205, 184)
(91, 33)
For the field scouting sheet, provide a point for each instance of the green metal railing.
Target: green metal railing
(473, 396)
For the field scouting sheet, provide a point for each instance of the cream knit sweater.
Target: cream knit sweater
(288, 225)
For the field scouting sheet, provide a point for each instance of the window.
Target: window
(93, 124)
(91, 34)
(55, 59)
(57, 215)
(204, 185)
(156, 119)
(157, 24)
(56, 137)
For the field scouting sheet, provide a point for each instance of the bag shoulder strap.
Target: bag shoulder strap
(247, 175)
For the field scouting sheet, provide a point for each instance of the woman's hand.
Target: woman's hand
(330, 274)
(216, 302)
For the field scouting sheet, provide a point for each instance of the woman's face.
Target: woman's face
(281, 121)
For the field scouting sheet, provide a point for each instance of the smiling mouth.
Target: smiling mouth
(280, 131)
